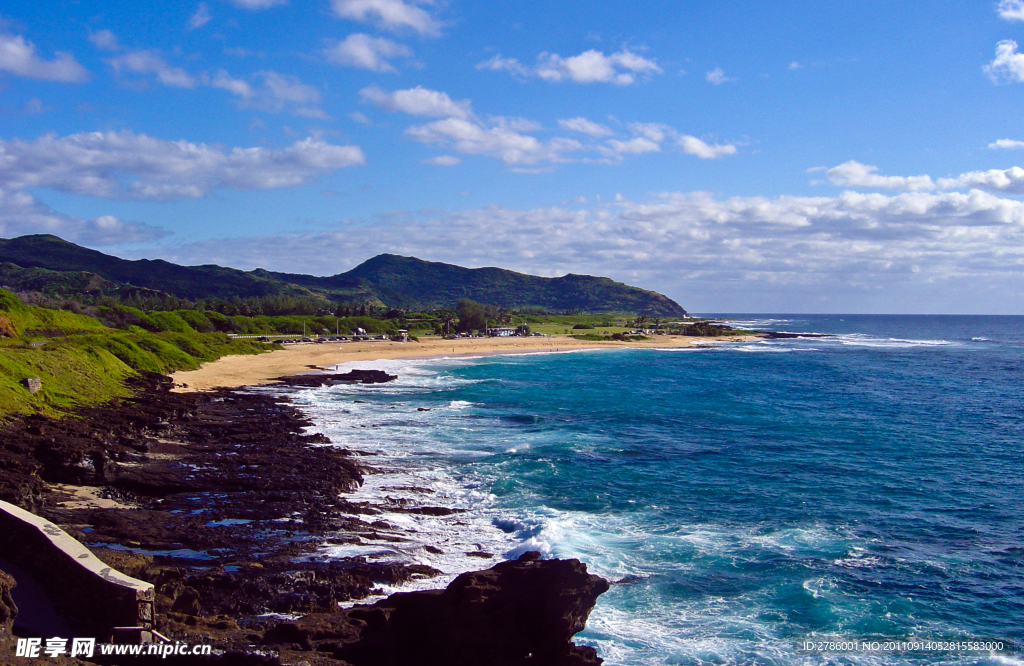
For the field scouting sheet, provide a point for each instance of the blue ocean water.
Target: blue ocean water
(745, 496)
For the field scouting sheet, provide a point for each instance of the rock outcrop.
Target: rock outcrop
(518, 612)
(350, 377)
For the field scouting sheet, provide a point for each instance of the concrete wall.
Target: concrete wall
(91, 597)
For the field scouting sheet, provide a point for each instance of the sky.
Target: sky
(793, 156)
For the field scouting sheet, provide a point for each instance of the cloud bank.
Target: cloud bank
(741, 250)
(125, 165)
(855, 174)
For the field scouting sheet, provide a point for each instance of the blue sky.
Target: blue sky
(844, 156)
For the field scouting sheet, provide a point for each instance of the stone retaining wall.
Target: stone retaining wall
(91, 597)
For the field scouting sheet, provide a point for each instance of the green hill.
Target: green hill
(391, 280)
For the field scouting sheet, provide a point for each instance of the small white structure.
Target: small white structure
(501, 332)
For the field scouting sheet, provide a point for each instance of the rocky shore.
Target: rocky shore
(224, 504)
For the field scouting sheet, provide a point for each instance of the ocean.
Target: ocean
(745, 497)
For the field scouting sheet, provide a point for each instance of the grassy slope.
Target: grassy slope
(88, 363)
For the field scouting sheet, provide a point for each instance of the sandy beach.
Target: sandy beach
(234, 371)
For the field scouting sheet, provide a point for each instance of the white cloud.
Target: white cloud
(1008, 65)
(595, 67)
(388, 14)
(515, 123)
(18, 57)
(274, 94)
(997, 180)
(200, 18)
(287, 88)
(443, 160)
(239, 87)
(1011, 10)
(653, 131)
(691, 145)
(793, 65)
(501, 64)
(105, 40)
(475, 138)
(1006, 144)
(257, 4)
(855, 174)
(717, 76)
(149, 62)
(592, 66)
(648, 137)
(126, 165)
(584, 126)
(366, 52)
(635, 146)
(418, 101)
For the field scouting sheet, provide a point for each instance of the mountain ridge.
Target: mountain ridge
(392, 280)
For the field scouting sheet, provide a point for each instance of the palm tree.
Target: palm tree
(447, 319)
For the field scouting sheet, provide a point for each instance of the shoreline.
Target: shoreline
(235, 550)
(262, 369)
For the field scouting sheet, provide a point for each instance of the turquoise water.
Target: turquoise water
(745, 496)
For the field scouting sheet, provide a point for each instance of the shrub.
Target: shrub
(221, 322)
(197, 320)
(9, 301)
(169, 321)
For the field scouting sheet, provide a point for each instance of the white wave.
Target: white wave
(763, 349)
(861, 340)
(756, 324)
(819, 588)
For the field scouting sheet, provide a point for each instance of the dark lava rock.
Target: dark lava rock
(8, 611)
(351, 377)
(517, 612)
(227, 505)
